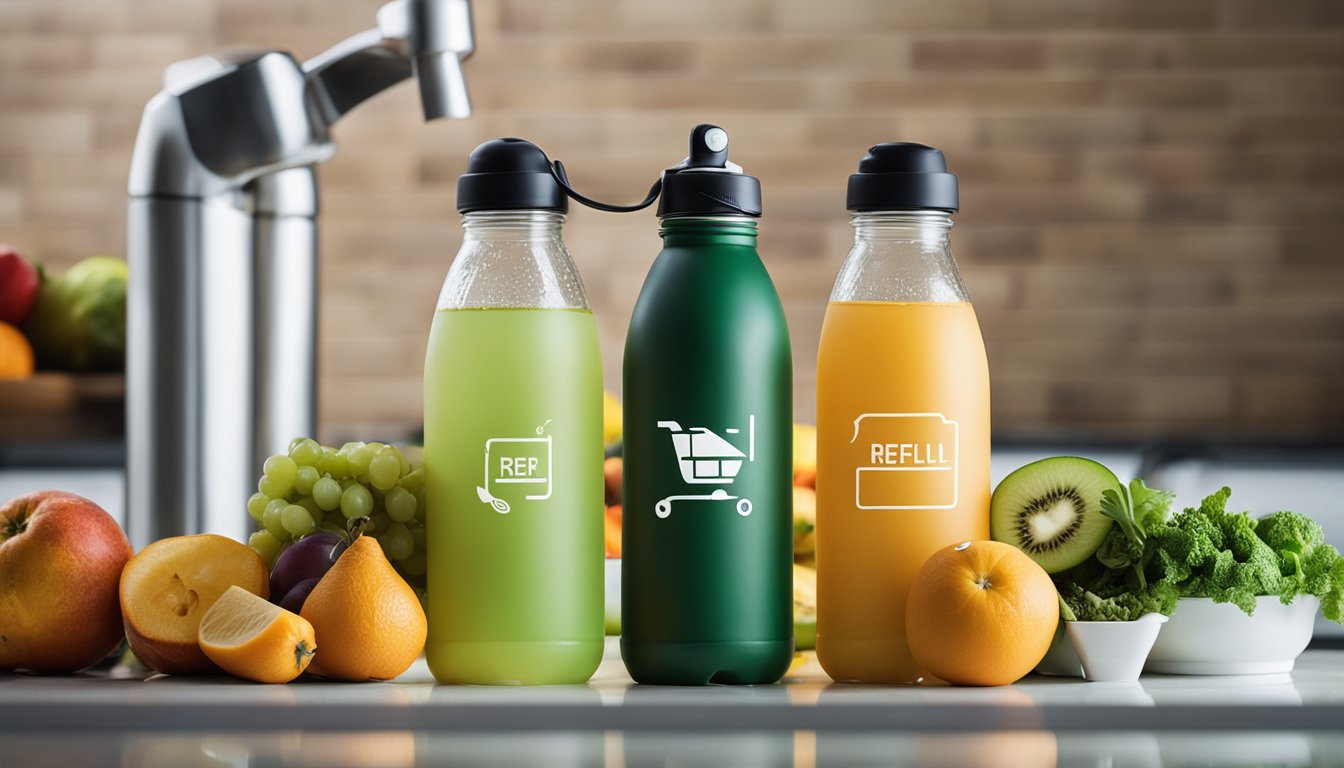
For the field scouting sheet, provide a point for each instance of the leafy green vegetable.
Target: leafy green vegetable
(1135, 508)
(1308, 565)
(1206, 551)
(1113, 584)
(1065, 612)
(1094, 591)
(1124, 605)
(1147, 561)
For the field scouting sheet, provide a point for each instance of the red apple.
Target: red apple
(61, 557)
(18, 286)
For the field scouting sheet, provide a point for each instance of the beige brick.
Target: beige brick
(1271, 399)
(1294, 287)
(1167, 91)
(993, 245)
(990, 92)
(26, 53)
(1261, 50)
(694, 18)
(577, 16)
(11, 205)
(1153, 248)
(850, 16)
(1091, 51)
(1062, 130)
(977, 53)
(65, 16)
(1106, 400)
(1055, 204)
(1312, 244)
(1044, 14)
(1193, 399)
(1290, 89)
(46, 131)
(1160, 14)
(151, 51)
(1203, 205)
(1283, 13)
(804, 57)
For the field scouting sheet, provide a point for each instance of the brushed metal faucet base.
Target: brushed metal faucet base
(222, 245)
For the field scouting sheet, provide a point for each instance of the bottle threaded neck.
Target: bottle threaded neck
(520, 224)
(926, 227)
(727, 229)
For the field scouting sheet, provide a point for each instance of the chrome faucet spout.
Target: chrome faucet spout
(427, 39)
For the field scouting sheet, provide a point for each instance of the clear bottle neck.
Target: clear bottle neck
(512, 225)
(928, 229)
(900, 256)
(513, 260)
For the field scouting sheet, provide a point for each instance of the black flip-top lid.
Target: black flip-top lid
(706, 183)
(902, 176)
(509, 175)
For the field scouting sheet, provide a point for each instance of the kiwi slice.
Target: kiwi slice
(1051, 510)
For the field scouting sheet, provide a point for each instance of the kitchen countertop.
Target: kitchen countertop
(1311, 698)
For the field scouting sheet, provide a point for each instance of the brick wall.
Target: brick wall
(1153, 191)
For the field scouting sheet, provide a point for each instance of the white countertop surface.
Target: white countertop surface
(1311, 696)
(97, 719)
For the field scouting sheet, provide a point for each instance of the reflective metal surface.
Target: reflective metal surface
(221, 242)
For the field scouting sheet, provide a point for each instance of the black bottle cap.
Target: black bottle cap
(509, 175)
(706, 183)
(902, 176)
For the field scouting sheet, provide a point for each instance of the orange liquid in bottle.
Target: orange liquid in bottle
(903, 470)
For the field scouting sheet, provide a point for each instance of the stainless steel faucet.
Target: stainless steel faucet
(222, 244)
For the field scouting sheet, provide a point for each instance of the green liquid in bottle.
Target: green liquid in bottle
(513, 459)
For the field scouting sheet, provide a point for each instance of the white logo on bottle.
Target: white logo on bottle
(911, 461)
(518, 461)
(705, 458)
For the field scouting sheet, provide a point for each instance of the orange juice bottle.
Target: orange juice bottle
(902, 414)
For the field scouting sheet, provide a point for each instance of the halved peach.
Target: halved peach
(168, 587)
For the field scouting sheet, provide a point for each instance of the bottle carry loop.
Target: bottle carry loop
(561, 178)
(705, 183)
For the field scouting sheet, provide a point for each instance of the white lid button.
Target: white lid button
(716, 139)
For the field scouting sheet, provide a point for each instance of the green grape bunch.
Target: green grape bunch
(314, 488)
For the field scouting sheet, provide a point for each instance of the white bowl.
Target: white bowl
(1114, 651)
(1208, 638)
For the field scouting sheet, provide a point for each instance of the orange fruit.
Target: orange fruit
(170, 584)
(980, 613)
(368, 620)
(252, 638)
(16, 354)
(611, 530)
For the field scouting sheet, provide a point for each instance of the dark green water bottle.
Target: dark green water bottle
(707, 559)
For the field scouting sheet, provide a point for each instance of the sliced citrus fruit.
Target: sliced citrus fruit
(249, 637)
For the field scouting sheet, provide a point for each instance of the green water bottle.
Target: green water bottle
(706, 575)
(513, 439)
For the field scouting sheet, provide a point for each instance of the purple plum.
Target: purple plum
(293, 601)
(307, 558)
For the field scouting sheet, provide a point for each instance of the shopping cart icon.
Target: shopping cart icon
(519, 461)
(705, 458)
